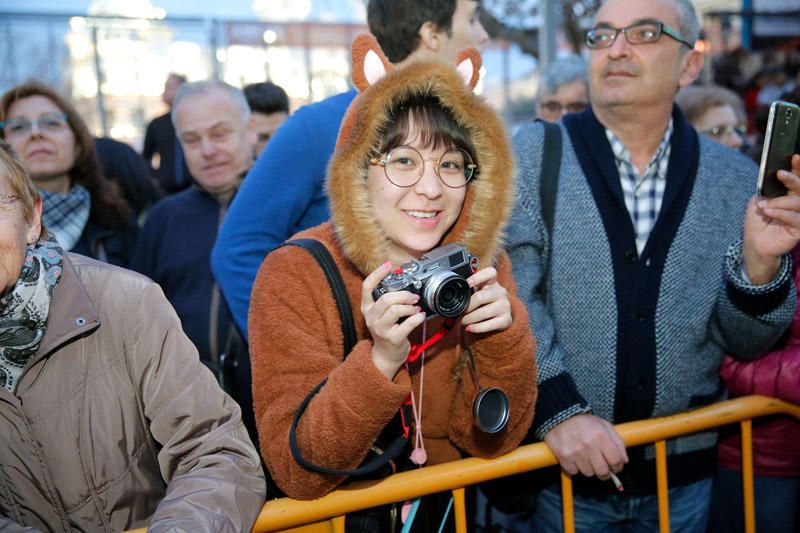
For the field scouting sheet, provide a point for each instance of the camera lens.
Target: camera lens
(447, 294)
(788, 114)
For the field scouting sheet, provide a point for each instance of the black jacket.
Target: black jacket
(160, 139)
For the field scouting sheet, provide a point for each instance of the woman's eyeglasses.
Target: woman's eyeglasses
(404, 167)
(20, 127)
(724, 131)
(645, 32)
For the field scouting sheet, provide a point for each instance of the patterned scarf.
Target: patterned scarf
(24, 310)
(66, 215)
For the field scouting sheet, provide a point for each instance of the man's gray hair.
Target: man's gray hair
(206, 86)
(561, 72)
(688, 23)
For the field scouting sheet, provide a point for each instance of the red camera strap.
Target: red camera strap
(417, 349)
(406, 414)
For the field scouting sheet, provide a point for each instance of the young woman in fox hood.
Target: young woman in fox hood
(420, 162)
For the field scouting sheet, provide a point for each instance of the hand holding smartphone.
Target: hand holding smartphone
(779, 145)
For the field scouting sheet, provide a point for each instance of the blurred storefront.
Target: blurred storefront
(113, 60)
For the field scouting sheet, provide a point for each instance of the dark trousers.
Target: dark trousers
(777, 503)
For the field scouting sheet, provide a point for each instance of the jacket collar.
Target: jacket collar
(72, 313)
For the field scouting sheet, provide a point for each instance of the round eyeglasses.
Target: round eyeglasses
(404, 167)
(645, 32)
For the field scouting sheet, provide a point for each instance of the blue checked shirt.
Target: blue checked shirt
(643, 194)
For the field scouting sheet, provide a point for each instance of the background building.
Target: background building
(112, 56)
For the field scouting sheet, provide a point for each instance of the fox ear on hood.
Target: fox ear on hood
(468, 64)
(369, 62)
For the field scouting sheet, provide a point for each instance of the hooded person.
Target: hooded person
(421, 162)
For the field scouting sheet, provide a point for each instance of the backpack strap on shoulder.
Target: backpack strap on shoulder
(323, 257)
(551, 167)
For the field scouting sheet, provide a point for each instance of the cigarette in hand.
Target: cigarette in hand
(617, 482)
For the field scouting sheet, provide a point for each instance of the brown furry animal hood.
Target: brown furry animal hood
(489, 195)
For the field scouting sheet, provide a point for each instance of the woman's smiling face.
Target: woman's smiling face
(415, 218)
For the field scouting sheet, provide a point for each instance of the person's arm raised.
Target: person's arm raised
(772, 228)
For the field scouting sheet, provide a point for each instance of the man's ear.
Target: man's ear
(430, 37)
(693, 62)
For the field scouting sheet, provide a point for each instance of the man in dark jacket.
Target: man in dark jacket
(211, 119)
(161, 151)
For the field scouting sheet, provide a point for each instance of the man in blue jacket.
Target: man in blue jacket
(284, 192)
(644, 277)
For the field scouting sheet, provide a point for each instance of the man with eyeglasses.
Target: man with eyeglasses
(563, 88)
(642, 280)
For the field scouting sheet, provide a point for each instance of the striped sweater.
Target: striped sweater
(627, 336)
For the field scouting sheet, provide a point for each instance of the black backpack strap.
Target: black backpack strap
(371, 466)
(551, 167)
(548, 188)
(323, 257)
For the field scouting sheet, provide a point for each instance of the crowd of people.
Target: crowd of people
(266, 303)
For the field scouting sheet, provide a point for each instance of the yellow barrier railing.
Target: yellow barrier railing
(285, 513)
(326, 513)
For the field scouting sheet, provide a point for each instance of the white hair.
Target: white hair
(688, 23)
(206, 86)
(561, 72)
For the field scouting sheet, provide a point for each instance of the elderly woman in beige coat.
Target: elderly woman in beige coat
(108, 421)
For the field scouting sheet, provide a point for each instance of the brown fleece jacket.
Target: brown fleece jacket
(295, 331)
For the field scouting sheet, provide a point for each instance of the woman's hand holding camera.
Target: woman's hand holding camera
(489, 308)
(390, 345)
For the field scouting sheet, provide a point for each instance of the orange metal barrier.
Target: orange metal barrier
(326, 513)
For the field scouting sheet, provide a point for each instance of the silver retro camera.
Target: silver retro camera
(439, 278)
